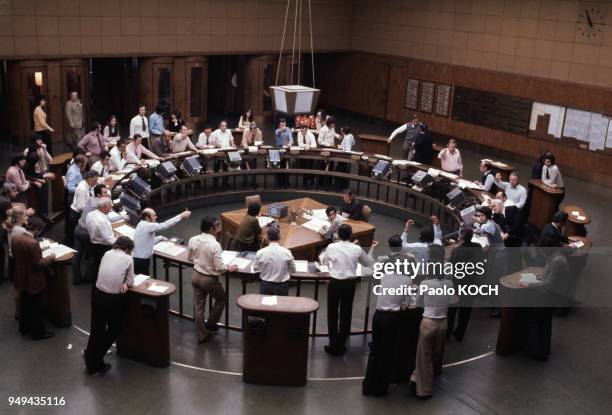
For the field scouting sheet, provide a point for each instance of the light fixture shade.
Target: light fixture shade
(294, 99)
(38, 78)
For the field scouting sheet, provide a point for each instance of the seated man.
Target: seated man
(162, 145)
(181, 141)
(249, 230)
(102, 166)
(330, 231)
(351, 209)
(135, 151)
(553, 232)
(118, 155)
(275, 264)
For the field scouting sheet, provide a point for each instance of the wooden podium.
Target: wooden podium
(577, 219)
(145, 334)
(544, 203)
(57, 166)
(57, 297)
(374, 144)
(276, 339)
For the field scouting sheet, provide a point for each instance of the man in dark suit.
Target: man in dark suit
(508, 217)
(423, 146)
(30, 279)
(553, 232)
(351, 209)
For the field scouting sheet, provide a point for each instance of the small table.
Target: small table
(577, 220)
(513, 321)
(276, 339)
(145, 334)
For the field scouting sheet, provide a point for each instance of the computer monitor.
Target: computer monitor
(381, 170)
(192, 166)
(166, 170)
(456, 197)
(138, 187)
(130, 203)
(421, 178)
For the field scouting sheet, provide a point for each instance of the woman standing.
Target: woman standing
(246, 119)
(111, 130)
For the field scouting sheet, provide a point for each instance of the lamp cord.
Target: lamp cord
(280, 55)
(314, 85)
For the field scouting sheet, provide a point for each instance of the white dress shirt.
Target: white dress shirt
(99, 228)
(435, 306)
(134, 153)
(117, 162)
(116, 268)
(144, 236)
(221, 139)
(347, 142)
(343, 257)
(554, 176)
(182, 143)
(517, 194)
(327, 137)
(136, 126)
(274, 263)
(308, 141)
(82, 193)
(204, 141)
(396, 301)
(100, 168)
(205, 253)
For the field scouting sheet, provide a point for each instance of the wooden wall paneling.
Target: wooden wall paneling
(396, 93)
(14, 100)
(202, 63)
(80, 67)
(179, 87)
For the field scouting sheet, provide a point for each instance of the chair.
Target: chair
(232, 243)
(249, 200)
(366, 211)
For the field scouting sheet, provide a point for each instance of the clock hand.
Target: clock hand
(589, 18)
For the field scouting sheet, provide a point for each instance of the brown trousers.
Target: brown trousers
(204, 285)
(430, 351)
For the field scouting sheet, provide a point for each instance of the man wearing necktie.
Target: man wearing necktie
(140, 125)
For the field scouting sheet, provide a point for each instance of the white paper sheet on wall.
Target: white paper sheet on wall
(598, 129)
(557, 117)
(576, 124)
(609, 136)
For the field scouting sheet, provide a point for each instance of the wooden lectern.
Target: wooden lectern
(57, 294)
(374, 144)
(544, 203)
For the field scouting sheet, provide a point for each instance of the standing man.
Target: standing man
(283, 134)
(145, 238)
(108, 305)
(93, 143)
(451, 158)
(488, 177)
(139, 124)
(342, 258)
(81, 195)
(41, 128)
(327, 134)
(411, 130)
(423, 146)
(101, 235)
(31, 280)
(513, 189)
(181, 141)
(352, 208)
(156, 123)
(208, 266)
(275, 264)
(74, 115)
(204, 139)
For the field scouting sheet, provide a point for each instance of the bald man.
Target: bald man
(145, 238)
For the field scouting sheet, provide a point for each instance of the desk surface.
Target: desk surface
(512, 280)
(288, 305)
(297, 236)
(143, 289)
(540, 185)
(574, 218)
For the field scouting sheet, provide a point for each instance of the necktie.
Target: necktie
(547, 174)
(144, 126)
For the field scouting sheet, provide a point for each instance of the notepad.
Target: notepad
(169, 248)
(314, 224)
(125, 230)
(529, 278)
(271, 300)
(264, 220)
(433, 172)
(59, 250)
(580, 217)
(139, 279)
(228, 256)
(575, 213)
(157, 288)
(301, 265)
(577, 244)
(241, 263)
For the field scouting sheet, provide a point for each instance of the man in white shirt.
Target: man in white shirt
(348, 140)
(411, 130)
(451, 158)
(107, 306)
(118, 155)
(327, 134)
(328, 231)
(101, 235)
(145, 238)
(205, 253)
(430, 235)
(342, 259)
(204, 139)
(181, 141)
(135, 151)
(102, 166)
(275, 264)
(139, 125)
(81, 194)
(305, 138)
(513, 189)
(222, 137)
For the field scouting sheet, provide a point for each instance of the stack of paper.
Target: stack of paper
(169, 248)
(139, 279)
(577, 244)
(228, 256)
(264, 220)
(59, 250)
(271, 300)
(529, 278)
(314, 224)
(125, 230)
(466, 184)
(433, 172)
(301, 265)
(241, 263)
(157, 288)
(152, 163)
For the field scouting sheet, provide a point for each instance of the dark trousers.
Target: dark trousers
(340, 294)
(252, 247)
(220, 165)
(97, 251)
(73, 220)
(142, 266)
(406, 345)
(462, 322)
(539, 330)
(385, 333)
(82, 247)
(32, 319)
(107, 312)
(274, 288)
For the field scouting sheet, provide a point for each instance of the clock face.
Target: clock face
(590, 22)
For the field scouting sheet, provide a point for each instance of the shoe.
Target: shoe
(458, 337)
(104, 370)
(412, 387)
(212, 328)
(46, 335)
(333, 352)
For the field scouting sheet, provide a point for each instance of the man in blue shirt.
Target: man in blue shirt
(156, 123)
(283, 134)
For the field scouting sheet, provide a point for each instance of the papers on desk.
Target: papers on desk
(529, 278)
(577, 244)
(46, 244)
(301, 265)
(157, 288)
(152, 163)
(139, 279)
(169, 248)
(252, 149)
(209, 151)
(257, 143)
(116, 177)
(228, 256)
(433, 172)
(128, 168)
(264, 220)
(58, 249)
(579, 217)
(269, 300)
(125, 230)
(322, 268)
(448, 175)
(314, 224)
(482, 240)
(240, 262)
(466, 184)
(575, 213)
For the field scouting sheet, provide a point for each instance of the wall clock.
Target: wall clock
(590, 22)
